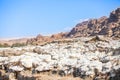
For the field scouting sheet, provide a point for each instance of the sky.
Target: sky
(25, 18)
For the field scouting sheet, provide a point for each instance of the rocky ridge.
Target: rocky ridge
(109, 27)
(103, 26)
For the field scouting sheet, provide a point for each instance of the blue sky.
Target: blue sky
(21, 18)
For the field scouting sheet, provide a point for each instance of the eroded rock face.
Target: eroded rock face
(107, 26)
(44, 39)
(102, 26)
(96, 57)
(115, 15)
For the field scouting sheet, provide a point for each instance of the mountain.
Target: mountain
(109, 27)
(103, 26)
(40, 39)
(106, 26)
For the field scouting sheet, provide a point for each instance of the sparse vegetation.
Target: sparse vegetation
(18, 45)
(4, 45)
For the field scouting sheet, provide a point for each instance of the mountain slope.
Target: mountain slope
(102, 26)
(107, 26)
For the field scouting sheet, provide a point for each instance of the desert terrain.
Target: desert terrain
(90, 51)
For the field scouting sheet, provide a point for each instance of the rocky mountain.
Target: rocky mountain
(109, 27)
(44, 39)
(103, 26)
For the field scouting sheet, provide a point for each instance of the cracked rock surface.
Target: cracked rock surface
(68, 59)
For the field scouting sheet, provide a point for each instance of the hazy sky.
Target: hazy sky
(20, 18)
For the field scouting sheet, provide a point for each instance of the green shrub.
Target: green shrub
(4, 45)
(18, 44)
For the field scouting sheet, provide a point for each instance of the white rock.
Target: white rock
(116, 67)
(13, 59)
(27, 59)
(26, 62)
(84, 68)
(90, 73)
(112, 73)
(107, 67)
(16, 68)
(105, 59)
(2, 59)
(95, 65)
(39, 68)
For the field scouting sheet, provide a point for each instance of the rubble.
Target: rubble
(77, 58)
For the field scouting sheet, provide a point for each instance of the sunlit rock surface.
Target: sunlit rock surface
(78, 57)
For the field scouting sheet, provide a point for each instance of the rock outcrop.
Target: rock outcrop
(109, 27)
(39, 40)
(102, 26)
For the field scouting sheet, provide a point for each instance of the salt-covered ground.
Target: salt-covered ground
(79, 57)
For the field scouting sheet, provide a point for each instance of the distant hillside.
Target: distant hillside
(109, 27)
(103, 26)
(11, 42)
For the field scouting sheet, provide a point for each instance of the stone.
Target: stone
(105, 59)
(61, 73)
(25, 76)
(78, 59)
(16, 68)
(27, 62)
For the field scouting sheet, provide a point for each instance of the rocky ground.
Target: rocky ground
(91, 58)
